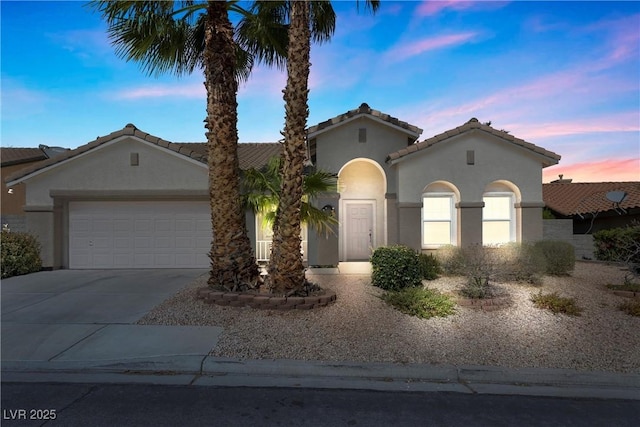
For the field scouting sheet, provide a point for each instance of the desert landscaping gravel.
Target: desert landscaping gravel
(360, 327)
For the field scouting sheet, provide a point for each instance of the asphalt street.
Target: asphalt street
(161, 405)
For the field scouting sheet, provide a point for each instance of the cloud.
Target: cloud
(596, 171)
(87, 45)
(20, 101)
(620, 122)
(407, 50)
(433, 7)
(430, 8)
(191, 90)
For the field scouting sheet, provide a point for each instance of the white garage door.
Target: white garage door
(139, 234)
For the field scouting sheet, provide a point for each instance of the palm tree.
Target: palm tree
(261, 189)
(180, 37)
(286, 270)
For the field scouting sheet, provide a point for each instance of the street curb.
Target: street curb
(231, 372)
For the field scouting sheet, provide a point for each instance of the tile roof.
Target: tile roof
(15, 156)
(570, 199)
(250, 154)
(365, 110)
(472, 125)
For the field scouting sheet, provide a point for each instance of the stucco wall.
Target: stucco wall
(109, 168)
(336, 147)
(495, 160)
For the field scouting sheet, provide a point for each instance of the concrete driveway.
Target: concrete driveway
(88, 316)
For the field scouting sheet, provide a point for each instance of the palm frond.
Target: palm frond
(263, 32)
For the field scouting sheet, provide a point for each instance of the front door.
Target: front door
(359, 231)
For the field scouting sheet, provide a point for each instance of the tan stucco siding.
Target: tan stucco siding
(109, 168)
(340, 145)
(494, 160)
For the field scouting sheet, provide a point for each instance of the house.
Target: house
(13, 199)
(593, 206)
(133, 200)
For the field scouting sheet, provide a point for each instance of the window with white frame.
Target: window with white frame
(438, 220)
(498, 219)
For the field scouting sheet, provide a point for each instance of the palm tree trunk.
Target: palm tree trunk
(286, 270)
(233, 264)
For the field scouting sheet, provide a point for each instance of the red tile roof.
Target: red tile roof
(365, 110)
(474, 125)
(15, 156)
(570, 199)
(250, 154)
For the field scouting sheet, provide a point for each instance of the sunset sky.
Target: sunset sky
(561, 75)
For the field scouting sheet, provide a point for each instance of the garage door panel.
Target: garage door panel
(139, 234)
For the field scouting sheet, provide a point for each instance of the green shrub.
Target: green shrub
(618, 244)
(20, 254)
(556, 304)
(395, 267)
(520, 262)
(560, 257)
(451, 259)
(429, 266)
(420, 302)
(632, 308)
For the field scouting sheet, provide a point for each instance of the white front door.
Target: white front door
(359, 230)
(136, 234)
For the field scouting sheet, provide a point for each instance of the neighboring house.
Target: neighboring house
(587, 204)
(13, 199)
(132, 200)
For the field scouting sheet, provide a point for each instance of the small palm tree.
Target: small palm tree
(261, 189)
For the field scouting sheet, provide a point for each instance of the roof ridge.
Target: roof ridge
(364, 109)
(471, 125)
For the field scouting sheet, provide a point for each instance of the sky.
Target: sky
(564, 75)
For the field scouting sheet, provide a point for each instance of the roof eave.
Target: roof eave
(313, 134)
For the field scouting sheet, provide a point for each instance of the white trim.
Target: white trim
(100, 147)
(453, 238)
(512, 212)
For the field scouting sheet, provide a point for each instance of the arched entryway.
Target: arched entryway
(362, 185)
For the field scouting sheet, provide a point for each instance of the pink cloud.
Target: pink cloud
(622, 122)
(193, 90)
(433, 7)
(596, 171)
(430, 8)
(408, 50)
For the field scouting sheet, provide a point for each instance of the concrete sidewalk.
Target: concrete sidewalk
(203, 370)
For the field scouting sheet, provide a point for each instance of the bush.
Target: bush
(451, 259)
(420, 302)
(479, 268)
(618, 244)
(429, 266)
(20, 254)
(632, 308)
(521, 262)
(560, 257)
(395, 267)
(556, 304)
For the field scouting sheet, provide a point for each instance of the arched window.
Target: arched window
(439, 216)
(498, 215)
